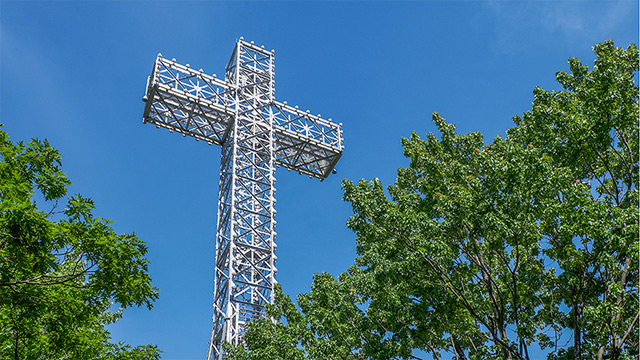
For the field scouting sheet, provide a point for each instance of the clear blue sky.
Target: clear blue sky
(74, 72)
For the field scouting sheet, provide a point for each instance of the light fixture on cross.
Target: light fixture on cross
(257, 133)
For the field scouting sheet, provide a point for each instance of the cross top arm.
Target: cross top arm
(199, 105)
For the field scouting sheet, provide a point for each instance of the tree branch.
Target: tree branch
(624, 338)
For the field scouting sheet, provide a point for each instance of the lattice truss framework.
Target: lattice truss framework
(257, 134)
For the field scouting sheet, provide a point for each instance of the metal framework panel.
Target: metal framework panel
(257, 134)
(304, 142)
(188, 101)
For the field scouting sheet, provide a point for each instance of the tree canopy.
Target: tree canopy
(62, 271)
(484, 250)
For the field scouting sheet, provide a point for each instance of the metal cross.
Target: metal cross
(257, 133)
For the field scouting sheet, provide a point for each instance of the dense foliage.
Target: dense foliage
(483, 251)
(61, 271)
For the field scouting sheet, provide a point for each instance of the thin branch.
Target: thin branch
(626, 144)
(61, 279)
(606, 164)
(624, 338)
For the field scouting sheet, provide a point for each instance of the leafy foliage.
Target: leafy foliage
(481, 250)
(58, 279)
(590, 130)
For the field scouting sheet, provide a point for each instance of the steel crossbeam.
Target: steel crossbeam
(256, 134)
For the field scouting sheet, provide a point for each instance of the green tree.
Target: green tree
(590, 130)
(449, 262)
(61, 271)
(481, 250)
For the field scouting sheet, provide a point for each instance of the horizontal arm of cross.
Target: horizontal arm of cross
(306, 143)
(201, 106)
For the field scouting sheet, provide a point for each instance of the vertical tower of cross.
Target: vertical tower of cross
(245, 258)
(257, 133)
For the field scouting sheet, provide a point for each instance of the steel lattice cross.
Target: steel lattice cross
(257, 134)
